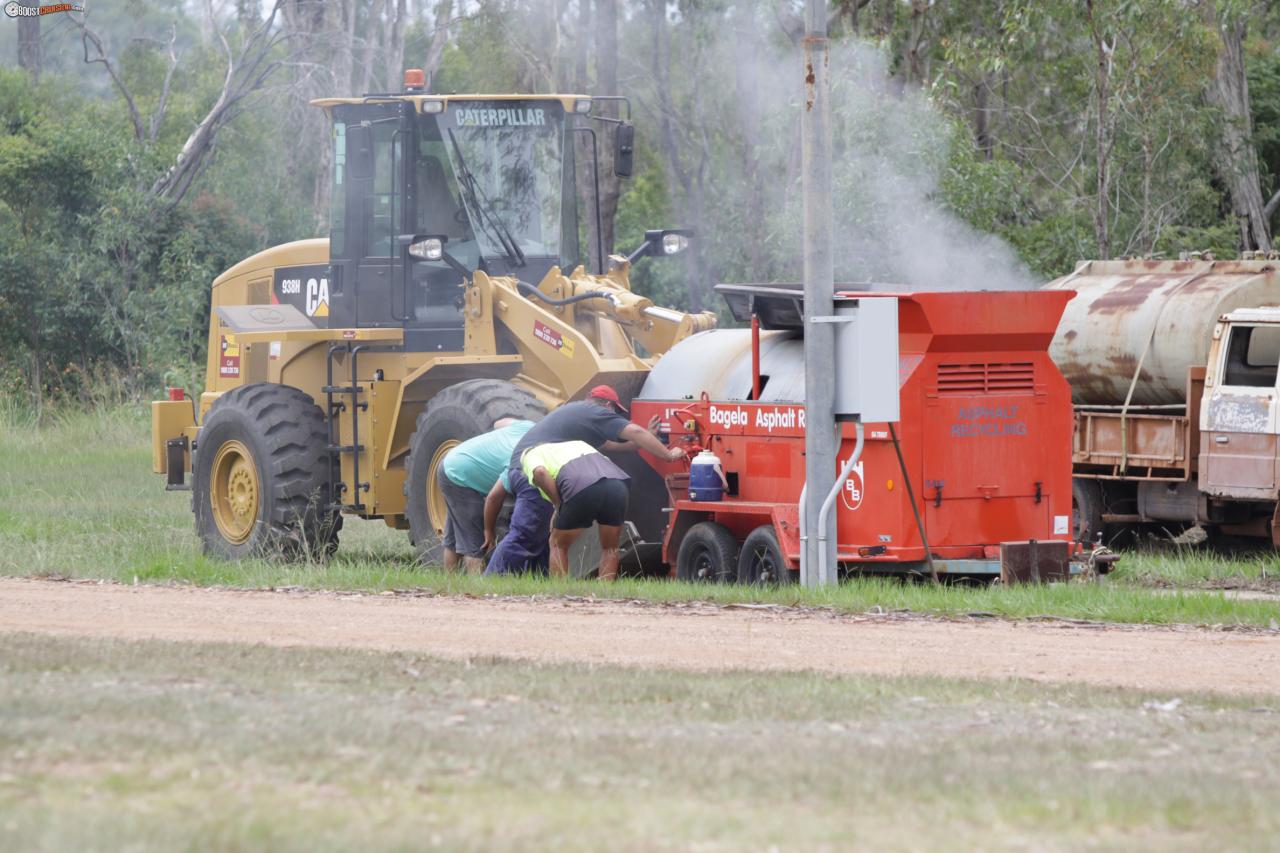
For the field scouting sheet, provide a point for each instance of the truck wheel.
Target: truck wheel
(761, 562)
(456, 414)
(261, 478)
(708, 554)
(1086, 510)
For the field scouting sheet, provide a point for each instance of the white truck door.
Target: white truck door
(1238, 447)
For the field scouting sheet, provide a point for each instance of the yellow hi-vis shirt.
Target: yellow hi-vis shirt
(558, 458)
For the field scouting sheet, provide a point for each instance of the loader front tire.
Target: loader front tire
(456, 414)
(261, 478)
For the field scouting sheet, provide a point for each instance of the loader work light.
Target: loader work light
(432, 107)
(582, 106)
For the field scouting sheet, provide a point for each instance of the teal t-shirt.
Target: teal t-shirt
(479, 461)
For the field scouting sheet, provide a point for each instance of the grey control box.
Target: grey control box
(866, 359)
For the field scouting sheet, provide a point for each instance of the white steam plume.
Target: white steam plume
(890, 147)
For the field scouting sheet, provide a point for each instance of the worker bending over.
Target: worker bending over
(599, 421)
(466, 474)
(585, 487)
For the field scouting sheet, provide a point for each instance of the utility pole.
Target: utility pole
(820, 443)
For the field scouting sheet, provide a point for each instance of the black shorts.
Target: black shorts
(604, 501)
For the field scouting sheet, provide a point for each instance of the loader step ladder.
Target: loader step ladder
(348, 401)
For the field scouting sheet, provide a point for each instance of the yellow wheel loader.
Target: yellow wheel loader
(450, 293)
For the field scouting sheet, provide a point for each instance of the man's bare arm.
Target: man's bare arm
(615, 446)
(492, 508)
(543, 480)
(645, 440)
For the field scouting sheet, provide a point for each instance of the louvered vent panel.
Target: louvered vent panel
(986, 378)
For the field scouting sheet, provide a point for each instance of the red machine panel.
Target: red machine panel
(985, 438)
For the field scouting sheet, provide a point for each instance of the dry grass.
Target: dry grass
(78, 499)
(111, 745)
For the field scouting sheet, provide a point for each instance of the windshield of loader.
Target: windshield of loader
(513, 170)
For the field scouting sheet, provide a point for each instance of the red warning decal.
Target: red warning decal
(551, 337)
(229, 361)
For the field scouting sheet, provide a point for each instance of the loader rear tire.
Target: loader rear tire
(456, 414)
(261, 477)
(708, 554)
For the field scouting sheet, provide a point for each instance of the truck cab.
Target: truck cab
(1238, 426)
(1173, 369)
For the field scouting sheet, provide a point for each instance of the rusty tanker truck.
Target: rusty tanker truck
(1173, 370)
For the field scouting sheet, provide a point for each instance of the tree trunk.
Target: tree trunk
(1102, 132)
(747, 83)
(982, 117)
(1146, 237)
(685, 195)
(586, 166)
(607, 84)
(373, 46)
(394, 45)
(439, 39)
(913, 65)
(1238, 163)
(29, 47)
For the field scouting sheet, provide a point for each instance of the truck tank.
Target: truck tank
(1157, 313)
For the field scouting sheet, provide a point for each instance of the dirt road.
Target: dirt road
(701, 637)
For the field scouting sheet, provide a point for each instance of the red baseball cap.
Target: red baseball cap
(604, 392)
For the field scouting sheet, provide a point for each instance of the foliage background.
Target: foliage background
(978, 144)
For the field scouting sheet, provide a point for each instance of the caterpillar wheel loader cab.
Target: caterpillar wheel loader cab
(450, 293)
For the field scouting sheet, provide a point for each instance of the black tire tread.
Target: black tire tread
(294, 437)
(1087, 497)
(723, 545)
(477, 403)
(763, 536)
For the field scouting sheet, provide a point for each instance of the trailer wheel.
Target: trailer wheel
(761, 562)
(261, 478)
(456, 414)
(1086, 510)
(708, 554)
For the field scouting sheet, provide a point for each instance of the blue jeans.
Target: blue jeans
(526, 546)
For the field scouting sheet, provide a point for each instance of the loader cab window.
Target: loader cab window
(1253, 353)
(436, 199)
(385, 201)
(513, 170)
(338, 193)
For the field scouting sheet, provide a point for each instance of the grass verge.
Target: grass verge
(77, 499)
(156, 745)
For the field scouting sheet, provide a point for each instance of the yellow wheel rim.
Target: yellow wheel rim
(235, 492)
(436, 510)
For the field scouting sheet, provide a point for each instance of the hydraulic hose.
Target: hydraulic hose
(915, 510)
(529, 291)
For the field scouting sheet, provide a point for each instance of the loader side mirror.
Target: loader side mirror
(662, 243)
(430, 247)
(360, 152)
(624, 150)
